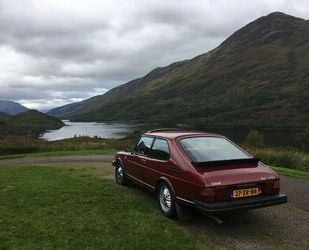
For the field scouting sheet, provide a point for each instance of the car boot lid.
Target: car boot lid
(235, 172)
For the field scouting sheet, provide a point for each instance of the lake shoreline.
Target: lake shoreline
(89, 129)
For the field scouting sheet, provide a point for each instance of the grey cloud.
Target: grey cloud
(59, 51)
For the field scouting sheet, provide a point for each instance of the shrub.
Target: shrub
(304, 138)
(255, 139)
(279, 157)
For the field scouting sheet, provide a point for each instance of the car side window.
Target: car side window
(160, 150)
(143, 146)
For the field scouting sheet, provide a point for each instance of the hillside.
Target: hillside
(11, 108)
(30, 123)
(258, 77)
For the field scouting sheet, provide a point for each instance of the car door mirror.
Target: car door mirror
(128, 149)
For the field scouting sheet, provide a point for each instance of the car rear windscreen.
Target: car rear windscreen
(206, 149)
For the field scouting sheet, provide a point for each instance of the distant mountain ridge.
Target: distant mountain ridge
(258, 77)
(11, 108)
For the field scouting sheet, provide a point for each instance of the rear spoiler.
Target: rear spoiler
(225, 162)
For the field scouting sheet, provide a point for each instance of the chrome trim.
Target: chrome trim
(136, 163)
(175, 169)
(182, 199)
(146, 184)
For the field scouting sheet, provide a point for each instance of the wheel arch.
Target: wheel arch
(164, 179)
(119, 160)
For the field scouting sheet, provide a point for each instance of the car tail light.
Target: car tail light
(276, 184)
(208, 194)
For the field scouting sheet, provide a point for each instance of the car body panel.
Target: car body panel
(134, 164)
(236, 174)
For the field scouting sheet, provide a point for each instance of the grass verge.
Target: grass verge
(292, 173)
(19, 146)
(67, 208)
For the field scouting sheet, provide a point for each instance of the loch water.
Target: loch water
(91, 129)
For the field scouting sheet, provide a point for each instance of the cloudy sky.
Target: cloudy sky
(54, 52)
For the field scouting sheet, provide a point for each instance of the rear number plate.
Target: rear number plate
(246, 192)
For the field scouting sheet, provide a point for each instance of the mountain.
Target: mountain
(12, 108)
(30, 123)
(257, 78)
(4, 115)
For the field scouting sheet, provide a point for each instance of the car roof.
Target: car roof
(179, 134)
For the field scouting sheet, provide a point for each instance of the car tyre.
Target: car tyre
(120, 176)
(166, 200)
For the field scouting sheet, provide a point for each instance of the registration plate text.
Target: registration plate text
(246, 192)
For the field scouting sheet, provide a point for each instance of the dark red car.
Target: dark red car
(201, 170)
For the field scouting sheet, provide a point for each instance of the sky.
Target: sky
(54, 52)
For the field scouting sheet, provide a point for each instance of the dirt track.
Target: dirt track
(57, 159)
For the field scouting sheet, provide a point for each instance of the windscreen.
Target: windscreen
(205, 149)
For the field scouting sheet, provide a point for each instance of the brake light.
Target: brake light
(276, 184)
(208, 192)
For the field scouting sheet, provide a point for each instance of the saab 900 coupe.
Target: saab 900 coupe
(196, 169)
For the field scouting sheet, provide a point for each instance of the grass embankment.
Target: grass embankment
(67, 208)
(283, 158)
(292, 173)
(19, 146)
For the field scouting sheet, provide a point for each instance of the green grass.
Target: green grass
(79, 206)
(292, 173)
(66, 208)
(21, 146)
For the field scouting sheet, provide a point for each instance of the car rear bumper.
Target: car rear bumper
(245, 204)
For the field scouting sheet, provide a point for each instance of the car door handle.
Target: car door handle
(175, 169)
